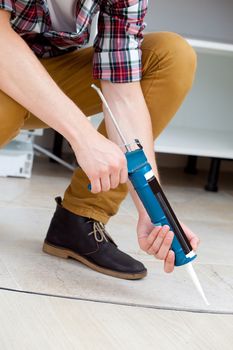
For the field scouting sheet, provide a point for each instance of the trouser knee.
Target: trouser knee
(173, 56)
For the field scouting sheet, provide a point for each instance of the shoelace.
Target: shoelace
(99, 231)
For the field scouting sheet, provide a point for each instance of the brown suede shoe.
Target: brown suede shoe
(86, 240)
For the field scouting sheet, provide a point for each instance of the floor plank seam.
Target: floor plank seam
(142, 306)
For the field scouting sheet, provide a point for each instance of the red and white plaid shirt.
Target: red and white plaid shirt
(117, 55)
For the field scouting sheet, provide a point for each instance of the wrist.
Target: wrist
(142, 215)
(78, 131)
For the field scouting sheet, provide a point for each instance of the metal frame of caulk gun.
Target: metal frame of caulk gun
(152, 195)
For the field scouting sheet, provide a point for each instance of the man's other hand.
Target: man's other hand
(157, 240)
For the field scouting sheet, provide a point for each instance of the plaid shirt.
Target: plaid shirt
(117, 54)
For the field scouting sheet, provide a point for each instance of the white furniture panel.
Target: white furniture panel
(204, 124)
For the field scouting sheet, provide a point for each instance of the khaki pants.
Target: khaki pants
(168, 70)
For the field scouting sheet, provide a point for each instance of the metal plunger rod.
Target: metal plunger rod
(112, 117)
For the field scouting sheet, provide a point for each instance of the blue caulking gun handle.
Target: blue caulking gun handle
(156, 204)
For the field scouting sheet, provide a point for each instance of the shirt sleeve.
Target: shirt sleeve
(8, 5)
(117, 55)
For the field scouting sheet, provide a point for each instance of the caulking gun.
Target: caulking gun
(155, 202)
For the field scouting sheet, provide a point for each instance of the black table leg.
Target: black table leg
(212, 182)
(191, 166)
(57, 146)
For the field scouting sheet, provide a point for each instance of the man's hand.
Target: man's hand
(157, 241)
(103, 162)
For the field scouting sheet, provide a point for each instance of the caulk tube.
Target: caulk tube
(156, 204)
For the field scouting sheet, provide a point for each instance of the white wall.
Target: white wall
(204, 19)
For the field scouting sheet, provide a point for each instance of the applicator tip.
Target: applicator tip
(196, 282)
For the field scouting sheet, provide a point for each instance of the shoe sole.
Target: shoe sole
(66, 253)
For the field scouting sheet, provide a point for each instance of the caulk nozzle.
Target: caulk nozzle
(196, 281)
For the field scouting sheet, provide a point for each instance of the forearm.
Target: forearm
(129, 108)
(23, 78)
